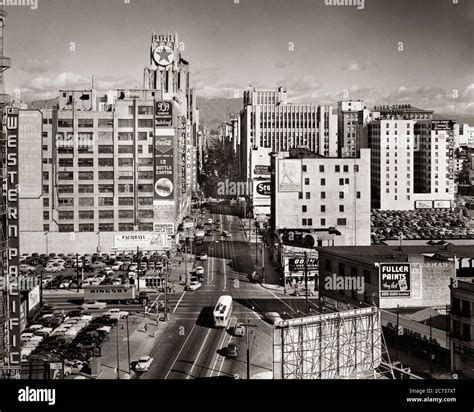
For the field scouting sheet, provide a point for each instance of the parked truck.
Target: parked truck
(114, 294)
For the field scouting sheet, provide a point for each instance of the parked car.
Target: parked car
(143, 364)
(239, 329)
(225, 233)
(194, 285)
(302, 292)
(117, 313)
(93, 305)
(273, 317)
(199, 270)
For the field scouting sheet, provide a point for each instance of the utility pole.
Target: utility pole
(248, 346)
(306, 282)
(128, 346)
(77, 271)
(256, 250)
(398, 326)
(431, 347)
(139, 261)
(41, 287)
(166, 292)
(118, 355)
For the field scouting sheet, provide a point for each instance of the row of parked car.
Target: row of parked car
(73, 338)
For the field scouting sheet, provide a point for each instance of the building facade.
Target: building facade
(327, 197)
(123, 161)
(412, 159)
(462, 327)
(270, 124)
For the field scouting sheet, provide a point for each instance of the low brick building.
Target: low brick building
(387, 276)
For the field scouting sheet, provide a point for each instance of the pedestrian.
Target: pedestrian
(146, 327)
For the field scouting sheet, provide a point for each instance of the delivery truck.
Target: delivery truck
(126, 294)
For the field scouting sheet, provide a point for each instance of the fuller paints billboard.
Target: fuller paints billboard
(395, 280)
(289, 175)
(141, 240)
(164, 170)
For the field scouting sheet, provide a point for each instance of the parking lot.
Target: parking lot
(75, 271)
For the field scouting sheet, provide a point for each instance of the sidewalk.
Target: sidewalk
(141, 343)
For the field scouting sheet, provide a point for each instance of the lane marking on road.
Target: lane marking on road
(223, 358)
(198, 355)
(220, 350)
(179, 301)
(281, 300)
(179, 353)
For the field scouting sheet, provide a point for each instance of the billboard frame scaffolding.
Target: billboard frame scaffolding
(329, 346)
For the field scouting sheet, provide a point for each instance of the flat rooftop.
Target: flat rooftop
(386, 253)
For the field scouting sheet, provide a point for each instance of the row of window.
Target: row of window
(309, 222)
(103, 214)
(103, 188)
(304, 208)
(323, 195)
(103, 175)
(101, 227)
(102, 201)
(89, 123)
(105, 162)
(337, 168)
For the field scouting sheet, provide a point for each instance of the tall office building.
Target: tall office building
(352, 118)
(270, 124)
(120, 162)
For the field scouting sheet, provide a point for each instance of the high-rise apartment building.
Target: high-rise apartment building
(412, 159)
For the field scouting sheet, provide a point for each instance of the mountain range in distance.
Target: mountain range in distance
(213, 111)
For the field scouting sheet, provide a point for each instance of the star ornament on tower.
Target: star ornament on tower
(163, 55)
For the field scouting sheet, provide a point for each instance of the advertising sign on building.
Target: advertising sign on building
(141, 240)
(30, 151)
(167, 228)
(262, 170)
(263, 188)
(442, 204)
(297, 264)
(33, 298)
(163, 113)
(289, 175)
(164, 157)
(423, 204)
(395, 280)
(12, 185)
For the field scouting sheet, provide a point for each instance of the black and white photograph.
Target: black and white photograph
(236, 201)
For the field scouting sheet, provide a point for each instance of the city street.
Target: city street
(191, 346)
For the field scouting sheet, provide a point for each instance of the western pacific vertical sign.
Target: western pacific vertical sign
(12, 189)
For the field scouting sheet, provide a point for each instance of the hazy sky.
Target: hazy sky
(231, 46)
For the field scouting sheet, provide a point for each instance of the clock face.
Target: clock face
(163, 55)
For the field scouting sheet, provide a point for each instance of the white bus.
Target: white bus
(223, 311)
